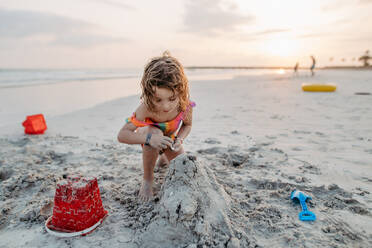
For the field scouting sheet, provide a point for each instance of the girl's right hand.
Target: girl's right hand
(160, 141)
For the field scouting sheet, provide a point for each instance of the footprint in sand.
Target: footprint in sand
(320, 134)
(284, 135)
(297, 149)
(212, 150)
(277, 117)
(212, 141)
(308, 167)
(270, 136)
(301, 132)
(264, 158)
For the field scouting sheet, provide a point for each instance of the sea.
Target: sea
(12, 78)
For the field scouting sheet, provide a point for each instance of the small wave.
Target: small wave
(49, 81)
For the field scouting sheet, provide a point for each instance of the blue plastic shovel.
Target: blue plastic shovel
(301, 197)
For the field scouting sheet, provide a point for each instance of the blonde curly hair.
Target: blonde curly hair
(164, 72)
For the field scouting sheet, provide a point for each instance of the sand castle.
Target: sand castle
(193, 210)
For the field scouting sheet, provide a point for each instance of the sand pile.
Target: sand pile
(193, 210)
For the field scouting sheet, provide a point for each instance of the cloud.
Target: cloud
(116, 4)
(313, 35)
(83, 40)
(255, 36)
(212, 17)
(17, 23)
(62, 30)
(270, 31)
(365, 1)
(339, 4)
(335, 5)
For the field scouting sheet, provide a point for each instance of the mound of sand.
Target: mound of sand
(193, 210)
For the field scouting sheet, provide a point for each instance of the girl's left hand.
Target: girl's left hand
(177, 145)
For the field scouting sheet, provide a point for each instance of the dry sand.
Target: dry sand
(254, 140)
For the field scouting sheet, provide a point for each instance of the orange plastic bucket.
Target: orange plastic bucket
(35, 124)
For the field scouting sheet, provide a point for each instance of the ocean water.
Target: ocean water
(10, 78)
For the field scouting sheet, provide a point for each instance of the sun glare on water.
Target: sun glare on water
(280, 71)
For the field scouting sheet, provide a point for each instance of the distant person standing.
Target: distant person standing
(312, 66)
(295, 69)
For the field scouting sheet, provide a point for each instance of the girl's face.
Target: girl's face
(164, 100)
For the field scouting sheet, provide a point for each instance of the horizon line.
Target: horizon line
(276, 67)
(197, 67)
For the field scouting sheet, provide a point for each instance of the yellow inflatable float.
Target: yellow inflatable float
(319, 87)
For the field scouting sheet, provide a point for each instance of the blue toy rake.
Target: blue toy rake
(300, 197)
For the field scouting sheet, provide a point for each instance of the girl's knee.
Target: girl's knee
(172, 154)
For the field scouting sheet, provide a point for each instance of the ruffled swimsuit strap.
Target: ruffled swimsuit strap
(139, 123)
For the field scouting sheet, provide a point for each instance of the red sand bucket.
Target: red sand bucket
(35, 124)
(77, 208)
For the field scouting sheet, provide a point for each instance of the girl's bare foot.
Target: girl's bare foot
(162, 161)
(145, 193)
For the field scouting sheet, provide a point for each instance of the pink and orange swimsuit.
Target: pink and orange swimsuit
(168, 128)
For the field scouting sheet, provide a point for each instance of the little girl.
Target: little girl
(163, 119)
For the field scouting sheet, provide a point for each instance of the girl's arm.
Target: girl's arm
(128, 136)
(186, 126)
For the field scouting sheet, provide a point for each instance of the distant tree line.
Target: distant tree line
(364, 58)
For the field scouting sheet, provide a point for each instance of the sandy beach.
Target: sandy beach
(255, 138)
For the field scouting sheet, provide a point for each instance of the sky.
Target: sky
(126, 34)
